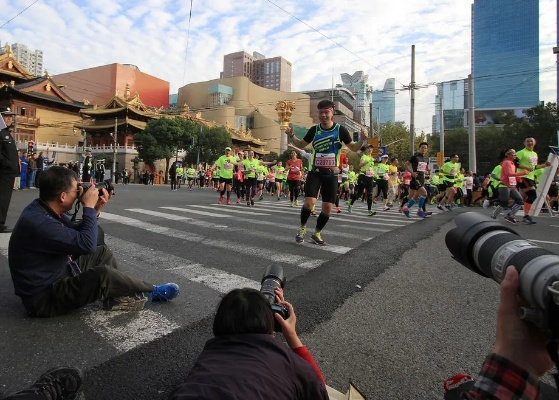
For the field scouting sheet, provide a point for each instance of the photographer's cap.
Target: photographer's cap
(7, 112)
(228, 149)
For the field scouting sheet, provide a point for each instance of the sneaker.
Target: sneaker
(251, 202)
(440, 207)
(136, 302)
(370, 213)
(296, 203)
(292, 204)
(313, 213)
(448, 207)
(261, 198)
(528, 220)
(511, 219)
(428, 213)
(300, 237)
(278, 198)
(406, 211)
(228, 202)
(496, 212)
(165, 292)
(338, 210)
(238, 201)
(220, 200)
(317, 238)
(349, 208)
(421, 214)
(386, 208)
(248, 203)
(57, 383)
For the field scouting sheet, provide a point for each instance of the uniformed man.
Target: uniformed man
(9, 166)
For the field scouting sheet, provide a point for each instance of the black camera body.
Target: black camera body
(274, 278)
(106, 184)
(489, 248)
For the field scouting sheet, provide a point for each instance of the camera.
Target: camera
(274, 278)
(489, 248)
(106, 184)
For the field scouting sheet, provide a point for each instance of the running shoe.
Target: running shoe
(421, 214)
(313, 213)
(496, 212)
(370, 213)
(56, 384)
(261, 198)
(220, 200)
(428, 213)
(338, 210)
(248, 203)
(296, 202)
(238, 201)
(406, 212)
(164, 293)
(278, 198)
(486, 204)
(440, 207)
(528, 220)
(300, 237)
(511, 219)
(251, 202)
(292, 204)
(349, 208)
(228, 202)
(386, 208)
(317, 238)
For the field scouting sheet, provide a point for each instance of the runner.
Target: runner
(449, 170)
(190, 176)
(365, 180)
(327, 138)
(226, 163)
(393, 181)
(418, 166)
(279, 170)
(383, 174)
(295, 167)
(255, 171)
(528, 162)
(507, 187)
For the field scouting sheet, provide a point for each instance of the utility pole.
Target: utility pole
(471, 125)
(441, 101)
(114, 149)
(371, 117)
(412, 101)
(198, 148)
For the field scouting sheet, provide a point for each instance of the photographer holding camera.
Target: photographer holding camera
(58, 265)
(245, 361)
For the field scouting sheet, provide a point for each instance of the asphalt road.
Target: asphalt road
(383, 304)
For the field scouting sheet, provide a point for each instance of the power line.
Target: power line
(187, 40)
(18, 14)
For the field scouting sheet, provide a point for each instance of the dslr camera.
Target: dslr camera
(106, 184)
(489, 248)
(274, 278)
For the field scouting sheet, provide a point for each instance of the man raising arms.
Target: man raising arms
(326, 139)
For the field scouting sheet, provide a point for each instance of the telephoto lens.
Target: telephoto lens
(274, 278)
(489, 248)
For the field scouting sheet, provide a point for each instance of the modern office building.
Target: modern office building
(384, 103)
(31, 60)
(98, 85)
(505, 54)
(271, 73)
(452, 97)
(357, 84)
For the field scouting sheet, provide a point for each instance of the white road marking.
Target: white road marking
(292, 259)
(4, 242)
(228, 210)
(173, 217)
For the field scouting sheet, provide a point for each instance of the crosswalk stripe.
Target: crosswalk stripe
(292, 259)
(4, 242)
(124, 334)
(229, 209)
(244, 231)
(174, 217)
(213, 278)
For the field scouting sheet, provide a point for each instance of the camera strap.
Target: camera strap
(76, 209)
(552, 349)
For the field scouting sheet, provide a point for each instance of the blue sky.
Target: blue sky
(321, 38)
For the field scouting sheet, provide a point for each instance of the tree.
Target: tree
(544, 122)
(211, 142)
(163, 138)
(396, 136)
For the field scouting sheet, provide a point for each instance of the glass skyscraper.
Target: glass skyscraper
(505, 53)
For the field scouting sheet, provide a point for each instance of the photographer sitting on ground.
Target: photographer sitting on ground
(57, 265)
(519, 357)
(245, 361)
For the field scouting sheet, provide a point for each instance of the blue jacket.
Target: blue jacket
(42, 243)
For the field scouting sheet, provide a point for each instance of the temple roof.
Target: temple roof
(11, 68)
(108, 124)
(119, 104)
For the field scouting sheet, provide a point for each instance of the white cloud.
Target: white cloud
(376, 36)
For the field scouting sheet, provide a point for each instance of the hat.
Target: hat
(7, 112)
(384, 156)
(228, 148)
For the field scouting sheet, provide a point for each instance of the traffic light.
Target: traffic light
(191, 144)
(30, 146)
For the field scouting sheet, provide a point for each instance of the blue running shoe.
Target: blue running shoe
(165, 292)
(406, 211)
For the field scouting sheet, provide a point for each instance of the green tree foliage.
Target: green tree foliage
(211, 142)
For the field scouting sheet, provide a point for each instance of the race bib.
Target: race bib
(369, 172)
(533, 161)
(453, 171)
(260, 177)
(339, 179)
(422, 167)
(325, 160)
(227, 166)
(512, 181)
(385, 177)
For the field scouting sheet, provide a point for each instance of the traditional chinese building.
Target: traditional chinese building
(45, 114)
